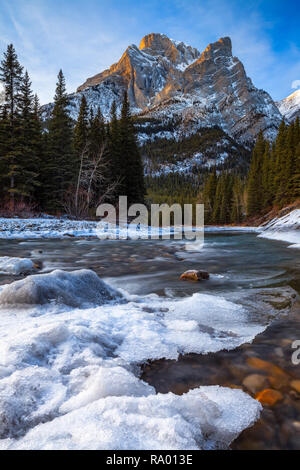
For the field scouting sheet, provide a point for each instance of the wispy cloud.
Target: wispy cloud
(85, 37)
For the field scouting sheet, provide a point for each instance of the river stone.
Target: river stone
(271, 369)
(269, 397)
(295, 384)
(194, 275)
(255, 382)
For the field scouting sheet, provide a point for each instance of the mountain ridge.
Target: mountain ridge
(170, 81)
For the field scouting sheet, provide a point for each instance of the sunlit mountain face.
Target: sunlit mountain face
(174, 84)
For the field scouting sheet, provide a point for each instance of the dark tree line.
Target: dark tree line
(274, 176)
(62, 166)
(273, 180)
(223, 197)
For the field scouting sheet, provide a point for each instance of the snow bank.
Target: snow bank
(286, 228)
(205, 418)
(15, 266)
(45, 228)
(62, 369)
(74, 289)
(63, 228)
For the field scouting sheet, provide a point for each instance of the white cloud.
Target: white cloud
(85, 41)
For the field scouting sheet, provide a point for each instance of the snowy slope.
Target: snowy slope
(286, 228)
(290, 106)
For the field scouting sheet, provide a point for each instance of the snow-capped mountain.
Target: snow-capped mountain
(169, 81)
(290, 106)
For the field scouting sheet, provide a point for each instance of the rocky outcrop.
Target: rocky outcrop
(146, 70)
(170, 81)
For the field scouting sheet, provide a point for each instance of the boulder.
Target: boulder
(194, 275)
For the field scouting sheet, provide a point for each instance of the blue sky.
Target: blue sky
(85, 37)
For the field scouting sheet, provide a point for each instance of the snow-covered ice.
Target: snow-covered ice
(74, 289)
(15, 266)
(45, 227)
(206, 418)
(39, 228)
(286, 228)
(69, 376)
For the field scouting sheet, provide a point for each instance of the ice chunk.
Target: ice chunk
(15, 266)
(115, 382)
(74, 289)
(204, 418)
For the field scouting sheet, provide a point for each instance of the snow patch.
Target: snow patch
(286, 228)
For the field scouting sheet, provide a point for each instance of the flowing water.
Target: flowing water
(262, 275)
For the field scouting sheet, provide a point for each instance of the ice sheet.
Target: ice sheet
(61, 369)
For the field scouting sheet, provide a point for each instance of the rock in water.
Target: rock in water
(255, 382)
(269, 397)
(74, 289)
(194, 275)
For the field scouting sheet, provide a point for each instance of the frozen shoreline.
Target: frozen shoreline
(39, 228)
(286, 229)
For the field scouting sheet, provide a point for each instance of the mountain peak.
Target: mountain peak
(167, 79)
(154, 41)
(223, 44)
(290, 106)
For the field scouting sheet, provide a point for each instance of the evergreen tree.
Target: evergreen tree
(81, 129)
(131, 166)
(11, 75)
(29, 139)
(280, 155)
(61, 162)
(4, 148)
(266, 177)
(209, 194)
(117, 164)
(255, 185)
(237, 211)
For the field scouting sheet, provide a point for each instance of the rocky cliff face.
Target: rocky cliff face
(170, 81)
(145, 71)
(290, 106)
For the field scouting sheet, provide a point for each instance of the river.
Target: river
(261, 275)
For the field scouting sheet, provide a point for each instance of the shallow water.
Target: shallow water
(241, 267)
(235, 260)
